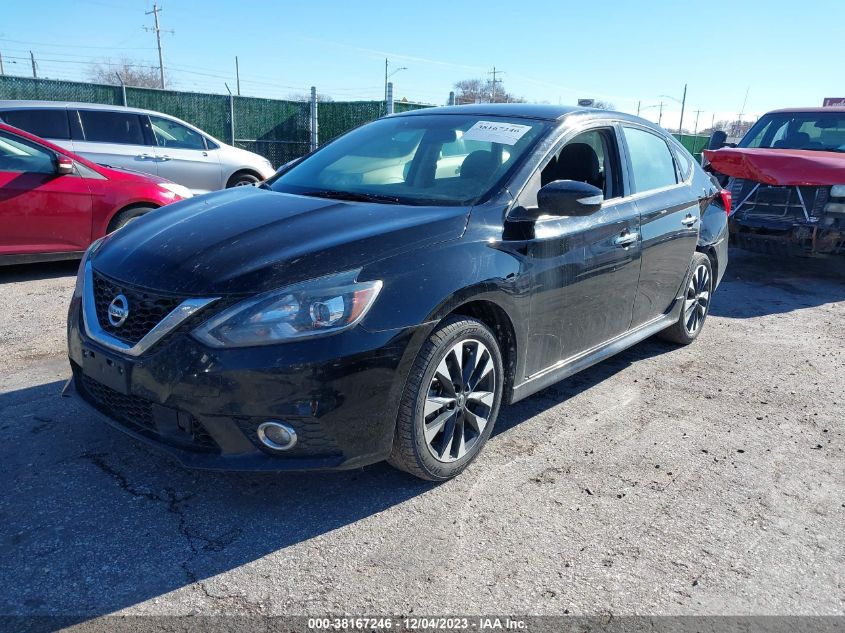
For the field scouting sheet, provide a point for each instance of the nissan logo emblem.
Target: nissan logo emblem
(118, 310)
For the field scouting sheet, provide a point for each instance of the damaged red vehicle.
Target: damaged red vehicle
(787, 180)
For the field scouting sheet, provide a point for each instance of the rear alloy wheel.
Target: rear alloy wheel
(696, 303)
(243, 179)
(451, 401)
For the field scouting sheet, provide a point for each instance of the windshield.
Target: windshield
(442, 159)
(820, 131)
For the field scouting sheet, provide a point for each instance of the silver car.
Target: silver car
(142, 140)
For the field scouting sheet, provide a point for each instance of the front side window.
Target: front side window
(19, 155)
(175, 135)
(46, 123)
(442, 159)
(820, 131)
(651, 160)
(102, 126)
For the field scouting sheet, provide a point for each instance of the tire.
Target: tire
(122, 218)
(699, 291)
(242, 179)
(439, 445)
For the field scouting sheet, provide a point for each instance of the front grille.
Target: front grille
(777, 202)
(137, 415)
(146, 309)
(312, 440)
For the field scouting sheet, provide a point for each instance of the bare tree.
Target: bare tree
(133, 73)
(483, 91)
(604, 105)
(302, 96)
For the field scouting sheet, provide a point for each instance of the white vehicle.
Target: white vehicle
(141, 140)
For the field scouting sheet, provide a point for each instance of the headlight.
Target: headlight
(837, 191)
(320, 306)
(179, 190)
(80, 274)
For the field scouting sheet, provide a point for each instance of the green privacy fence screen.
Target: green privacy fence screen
(274, 128)
(694, 144)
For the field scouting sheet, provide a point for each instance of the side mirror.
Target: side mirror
(717, 140)
(569, 197)
(64, 166)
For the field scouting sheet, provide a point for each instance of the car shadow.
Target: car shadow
(37, 272)
(756, 285)
(109, 523)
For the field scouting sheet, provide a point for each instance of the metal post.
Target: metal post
(313, 126)
(238, 76)
(34, 73)
(122, 88)
(452, 97)
(638, 107)
(660, 117)
(2, 72)
(385, 81)
(683, 105)
(231, 114)
(390, 98)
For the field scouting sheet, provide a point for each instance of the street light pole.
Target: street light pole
(683, 105)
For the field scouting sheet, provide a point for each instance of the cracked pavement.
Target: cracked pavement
(702, 480)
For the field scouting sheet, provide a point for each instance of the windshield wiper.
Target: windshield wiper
(356, 196)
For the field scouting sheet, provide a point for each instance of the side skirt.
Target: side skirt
(573, 365)
(32, 258)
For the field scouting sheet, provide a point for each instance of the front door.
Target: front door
(117, 139)
(183, 158)
(40, 210)
(669, 222)
(584, 270)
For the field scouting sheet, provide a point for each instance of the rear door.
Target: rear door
(669, 221)
(183, 157)
(115, 138)
(40, 210)
(584, 269)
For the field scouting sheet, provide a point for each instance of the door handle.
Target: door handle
(145, 156)
(164, 157)
(626, 239)
(689, 220)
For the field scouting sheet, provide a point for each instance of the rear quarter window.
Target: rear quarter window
(651, 160)
(50, 124)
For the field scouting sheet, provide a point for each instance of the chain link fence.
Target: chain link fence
(277, 129)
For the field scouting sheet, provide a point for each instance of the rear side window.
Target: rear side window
(101, 126)
(651, 160)
(684, 162)
(41, 122)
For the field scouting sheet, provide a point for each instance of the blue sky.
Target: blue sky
(784, 53)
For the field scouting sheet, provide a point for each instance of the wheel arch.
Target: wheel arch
(139, 204)
(242, 170)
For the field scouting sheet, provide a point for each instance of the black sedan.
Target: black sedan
(382, 297)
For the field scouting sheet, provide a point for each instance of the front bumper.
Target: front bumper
(203, 405)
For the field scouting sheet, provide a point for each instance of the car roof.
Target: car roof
(840, 109)
(15, 104)
(536, 111)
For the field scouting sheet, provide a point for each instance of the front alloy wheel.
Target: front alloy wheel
(450, 402)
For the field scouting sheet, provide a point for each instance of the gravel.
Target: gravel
(701, 480)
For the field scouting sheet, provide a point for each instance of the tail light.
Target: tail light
(726, 200)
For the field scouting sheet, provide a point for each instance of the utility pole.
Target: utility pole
(387, 76)
(237, 75)
(34, 73)
(494, 72)
(660, 117)
(2, 72)
(683, 106)
(156, 10)
(697, 114)
(639, 103)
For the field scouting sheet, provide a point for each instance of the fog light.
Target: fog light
(837, 208)
(277, 436)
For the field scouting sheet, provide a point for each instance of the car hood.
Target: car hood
(247, 239)
(780, 166)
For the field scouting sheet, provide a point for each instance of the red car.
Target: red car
(53, 203)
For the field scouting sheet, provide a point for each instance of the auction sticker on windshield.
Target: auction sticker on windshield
(493, 132)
